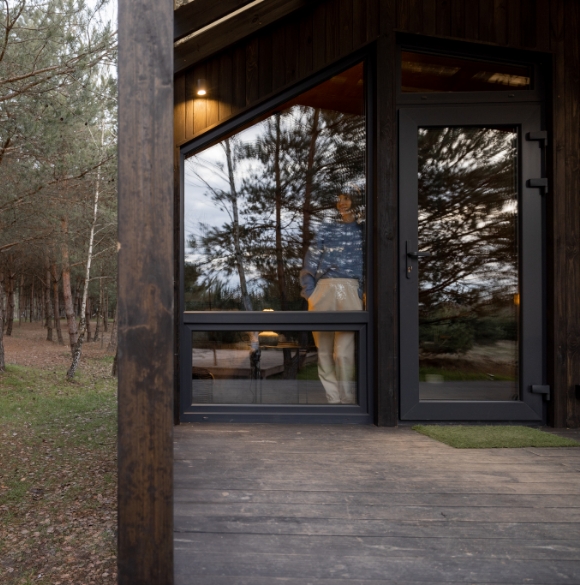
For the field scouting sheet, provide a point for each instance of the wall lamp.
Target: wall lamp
(201, 87)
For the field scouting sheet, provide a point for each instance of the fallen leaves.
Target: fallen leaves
(58, 476)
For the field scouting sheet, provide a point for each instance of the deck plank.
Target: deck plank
(299, 504)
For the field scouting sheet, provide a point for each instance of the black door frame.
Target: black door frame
(527, 117)
(358, 321)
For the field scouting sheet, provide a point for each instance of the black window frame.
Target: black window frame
(531, 408)
(360, 321)
(478, 52)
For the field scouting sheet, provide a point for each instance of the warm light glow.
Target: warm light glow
(201, 86)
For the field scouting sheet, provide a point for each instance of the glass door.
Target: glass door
(470, 264)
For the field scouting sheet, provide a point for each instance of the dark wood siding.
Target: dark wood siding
(290, 50)
(564, 223)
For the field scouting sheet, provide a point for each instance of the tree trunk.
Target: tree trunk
(112, 347)
(255, 351)
(2, 360)
(114, 368)
(56, 302)
(31, 300)
(49, 318)
(99, 311)
(10, 303)
(236, 231)
(21, 303)
(88, 320)
(280, 268)
(66, 288)
(77, 350)
(106, 313)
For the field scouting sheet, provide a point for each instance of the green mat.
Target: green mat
(488, 437)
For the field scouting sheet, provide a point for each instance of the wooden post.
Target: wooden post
(386, 234)
(145, 304)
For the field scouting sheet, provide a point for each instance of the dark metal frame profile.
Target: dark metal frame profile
(537, 62)
(526, 117)
(357, 321)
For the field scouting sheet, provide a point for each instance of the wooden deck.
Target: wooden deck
(322, 505)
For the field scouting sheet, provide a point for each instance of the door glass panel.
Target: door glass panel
(468, 279)
(280, 205)
(274, 367)
(425, 73)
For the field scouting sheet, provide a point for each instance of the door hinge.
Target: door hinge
(538, 184)
(545, 390)
(541, 135)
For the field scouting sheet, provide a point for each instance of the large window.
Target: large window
(274, 256)
(280, 205)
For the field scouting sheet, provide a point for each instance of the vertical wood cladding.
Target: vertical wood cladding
(294, 48)
(564, 256)
(311, 39)
(271, 60)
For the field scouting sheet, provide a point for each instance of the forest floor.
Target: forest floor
(57, 463)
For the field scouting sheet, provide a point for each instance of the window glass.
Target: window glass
(426, 73)
(468, 263)
(278, 208)
(274, 367)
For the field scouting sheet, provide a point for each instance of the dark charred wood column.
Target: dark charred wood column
(145, 306)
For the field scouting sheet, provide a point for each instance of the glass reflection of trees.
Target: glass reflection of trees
(271, 186)
(468, 205)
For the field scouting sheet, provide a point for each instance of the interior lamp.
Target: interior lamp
(201, 87)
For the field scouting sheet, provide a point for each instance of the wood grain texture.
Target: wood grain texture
(291, 54)
(431, 12)
(514, 23)
(486, 21)
(500, 21)
(458, 18)
(565, 225)
(443, 17)
(472, 20)
(385, 232)
(359, 22)
(239, 78)
(557, 322)
(305, 46)
(261, 504)
(332, 30)
(145, 300)
(528, 19)
(570, 283)
(345, 22)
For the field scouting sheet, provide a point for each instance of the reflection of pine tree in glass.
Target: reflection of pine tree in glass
(306, 156)
(468, 222)
(287, 179)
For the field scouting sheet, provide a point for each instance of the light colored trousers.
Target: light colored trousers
(336, 349)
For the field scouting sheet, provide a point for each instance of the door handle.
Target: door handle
(413, 256)
(417, 255)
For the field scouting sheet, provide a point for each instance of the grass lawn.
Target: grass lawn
(490, 436)
(58, 475)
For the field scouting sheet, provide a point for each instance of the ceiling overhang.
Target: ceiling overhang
(204, 27)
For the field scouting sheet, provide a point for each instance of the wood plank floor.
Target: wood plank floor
(305, 504)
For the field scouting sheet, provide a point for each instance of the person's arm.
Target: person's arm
(310, 266)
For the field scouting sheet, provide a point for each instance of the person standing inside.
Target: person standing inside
(332, 280)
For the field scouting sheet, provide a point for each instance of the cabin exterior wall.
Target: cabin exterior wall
(290, 50)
